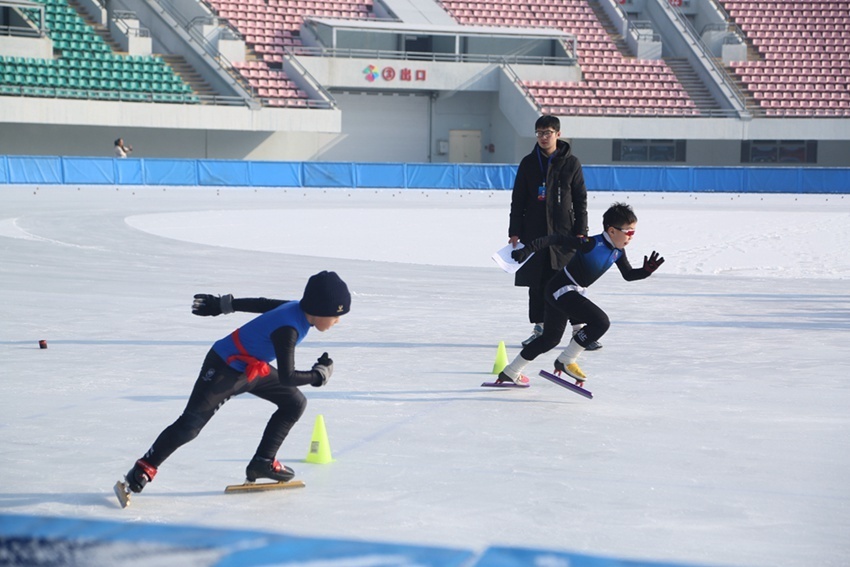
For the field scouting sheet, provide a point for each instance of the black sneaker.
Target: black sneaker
(141, 474)
(267, 468)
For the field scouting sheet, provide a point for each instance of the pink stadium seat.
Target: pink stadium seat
(268, 26)
(599, 57)
(803, 58)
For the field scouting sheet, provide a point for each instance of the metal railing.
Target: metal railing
(117, 96)
(216, 57)
(643, 31)
(595, 112)
(18, 31)
(722, 76)
(693, 113)
(618, 111)
(227, 67)
(429, 56)
(327, 100)
(120, 18)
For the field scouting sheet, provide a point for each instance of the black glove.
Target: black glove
(206, 305)
(652, 263)
(325, 367)
(520, 255)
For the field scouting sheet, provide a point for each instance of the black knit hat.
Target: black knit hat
(326, 295)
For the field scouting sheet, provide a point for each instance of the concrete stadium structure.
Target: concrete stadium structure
(409, 82)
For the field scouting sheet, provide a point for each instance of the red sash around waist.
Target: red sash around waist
(253, 366)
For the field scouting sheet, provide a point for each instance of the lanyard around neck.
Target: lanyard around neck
(544, 170)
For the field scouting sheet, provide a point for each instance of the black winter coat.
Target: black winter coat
(563, 211)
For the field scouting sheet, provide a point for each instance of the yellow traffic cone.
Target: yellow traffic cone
(501, 358)
(320, 449)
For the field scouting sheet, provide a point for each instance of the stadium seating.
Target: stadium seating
(803, 67)
(271, 26)
(612, 83)
(86, 67)
(271, 85)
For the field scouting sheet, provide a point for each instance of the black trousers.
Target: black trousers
(537, 296)
(217, 383)
(562, 305)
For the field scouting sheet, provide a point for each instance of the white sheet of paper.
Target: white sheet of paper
(502, 257)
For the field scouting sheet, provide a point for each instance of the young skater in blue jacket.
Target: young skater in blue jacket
(239, 364)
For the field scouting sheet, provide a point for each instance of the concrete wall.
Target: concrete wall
(349, 73)
(40, 47)
(401, 75)
(409, 127)
(380, 127)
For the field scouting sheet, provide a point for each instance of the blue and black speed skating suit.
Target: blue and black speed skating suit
(565, 291)
(238, 364)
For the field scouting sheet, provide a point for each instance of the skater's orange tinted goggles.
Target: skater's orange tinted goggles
(627, 232)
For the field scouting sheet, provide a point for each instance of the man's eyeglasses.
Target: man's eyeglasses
(626, 231)
(544, 133)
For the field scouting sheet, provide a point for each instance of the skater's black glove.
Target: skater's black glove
(324, 367)
(652, 263)
(206, 305)
(520, 255)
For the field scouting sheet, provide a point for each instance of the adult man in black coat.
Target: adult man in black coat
(549, 196)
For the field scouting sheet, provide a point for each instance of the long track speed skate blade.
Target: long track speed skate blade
(522, 381)
(122, 491)
(260, 486)
(564, 384)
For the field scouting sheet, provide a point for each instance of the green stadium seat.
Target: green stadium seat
(86, 65)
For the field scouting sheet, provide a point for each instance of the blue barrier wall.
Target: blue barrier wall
(349, 175)
(69, 542)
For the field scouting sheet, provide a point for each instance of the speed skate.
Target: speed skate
(564, 384)
(122, 491)
(261, 486)
(521, 382)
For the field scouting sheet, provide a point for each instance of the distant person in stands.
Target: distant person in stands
(121, 150)
(549, 197)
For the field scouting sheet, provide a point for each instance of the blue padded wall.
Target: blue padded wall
(351, 175)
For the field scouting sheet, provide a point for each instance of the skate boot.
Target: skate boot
(520, 379)
(538, 330)
(268, 468)
(141, 474)
(572, 369)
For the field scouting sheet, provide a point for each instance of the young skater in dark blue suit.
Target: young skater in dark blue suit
(566, 291)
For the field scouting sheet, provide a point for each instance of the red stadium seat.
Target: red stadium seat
(802, 51)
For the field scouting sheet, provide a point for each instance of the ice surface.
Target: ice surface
(718, 432)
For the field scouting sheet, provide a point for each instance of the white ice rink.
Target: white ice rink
(718, 433)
